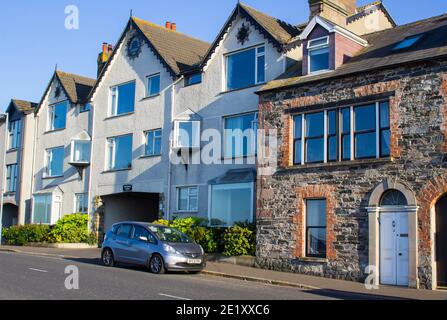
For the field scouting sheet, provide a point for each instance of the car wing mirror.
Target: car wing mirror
(145, 239)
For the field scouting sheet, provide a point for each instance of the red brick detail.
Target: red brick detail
(427, 198)
(444, 111)
(286, 148)
(344, 49)
(315, 192)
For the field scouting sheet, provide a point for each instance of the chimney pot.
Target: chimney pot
(174, 26)
(168, 25)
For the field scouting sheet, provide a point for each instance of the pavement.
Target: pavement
(284, 285)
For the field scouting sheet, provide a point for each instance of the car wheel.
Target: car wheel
(157, 265)
(107, 258)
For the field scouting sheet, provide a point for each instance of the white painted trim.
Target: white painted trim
(325, 134)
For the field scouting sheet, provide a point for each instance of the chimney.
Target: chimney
(174, 26)
(168, 25)
(334, 10)
(104, 56)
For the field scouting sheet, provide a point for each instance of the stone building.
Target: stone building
(361, 182)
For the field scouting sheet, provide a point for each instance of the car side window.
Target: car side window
(140, 232)
(124, 230)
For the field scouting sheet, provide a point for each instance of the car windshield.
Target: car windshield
(167, 234)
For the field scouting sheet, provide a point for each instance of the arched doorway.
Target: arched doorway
(441, 241)
(394, 253)
(392, 215)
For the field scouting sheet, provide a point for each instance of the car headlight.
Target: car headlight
(170, 249)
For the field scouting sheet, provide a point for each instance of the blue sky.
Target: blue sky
(33, 35)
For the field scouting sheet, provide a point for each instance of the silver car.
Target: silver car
(157, 247)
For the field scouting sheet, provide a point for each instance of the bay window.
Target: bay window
(231, 203)
(57, 116)
(55, 162)
(341, 134)
(152, 143)
(80, 151)
(11, 178)
(187, 134)
(119, 153)
(240, 135)
(316, 228)
(318, 54)
(245, 68)
(15, 134)
(187, 199)
(122, 99)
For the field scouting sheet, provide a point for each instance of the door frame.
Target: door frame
(433, 222)
(374, 240)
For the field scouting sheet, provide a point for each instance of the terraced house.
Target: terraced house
(361, 186)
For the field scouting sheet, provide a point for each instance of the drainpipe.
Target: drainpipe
(36, 126)
(90, 169)
(3, 176)
(168, 204)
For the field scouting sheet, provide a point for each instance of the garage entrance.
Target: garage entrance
(141, 207)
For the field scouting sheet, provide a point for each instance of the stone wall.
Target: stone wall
(418, 145)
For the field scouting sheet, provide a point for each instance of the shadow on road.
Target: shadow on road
(346, 295)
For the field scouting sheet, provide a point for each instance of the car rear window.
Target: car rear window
(124, 230)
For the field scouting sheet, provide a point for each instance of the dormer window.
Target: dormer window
(245, 68)
(318, 54)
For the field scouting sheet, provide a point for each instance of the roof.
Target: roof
(235, 176)
(24, 106)
(76, 87)
(181, 52)
(278, 32)
(379, 54)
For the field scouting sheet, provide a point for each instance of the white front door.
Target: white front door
(394, 253)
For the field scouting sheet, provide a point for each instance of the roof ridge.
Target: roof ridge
(250, 7)
(75, 75)
(165, 29)
(434, 18)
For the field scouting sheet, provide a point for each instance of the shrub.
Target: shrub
(162, 222)
(21, 235)
(239, 241)
(205, 238)
(72, 228)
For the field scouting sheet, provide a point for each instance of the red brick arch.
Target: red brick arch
(427, 198)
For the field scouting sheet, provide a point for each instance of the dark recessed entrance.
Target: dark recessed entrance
(441, 241)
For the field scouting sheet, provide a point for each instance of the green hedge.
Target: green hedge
(232, 241)
(72, 228)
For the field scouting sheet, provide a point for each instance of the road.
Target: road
(24, 276)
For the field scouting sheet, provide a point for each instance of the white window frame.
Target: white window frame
(352, 133)
(252, 152)
(72, 150)
(210, 200)
(11, 177)
(196, 126)
(257, 55)
(51, 115)
(146, 141)
(114, 92)
(111, 145)
(49, 158)
(76, 203)
(177, 204)
(53, 200)
(148, 78)
(15, 134)
(311, 48)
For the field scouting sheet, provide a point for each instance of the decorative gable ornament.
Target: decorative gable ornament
(57, 92)
(134, 46)
(243, 34)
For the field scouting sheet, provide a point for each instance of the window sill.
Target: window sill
(340, 164)
(119, 115)
(149, 156)
(12, 150)
(52, 177)
(116, 170)
(313, 259)
(53, 131)
(186, 212)
(239, 157)
(10, 194)
(150, 97)
(239, 89)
